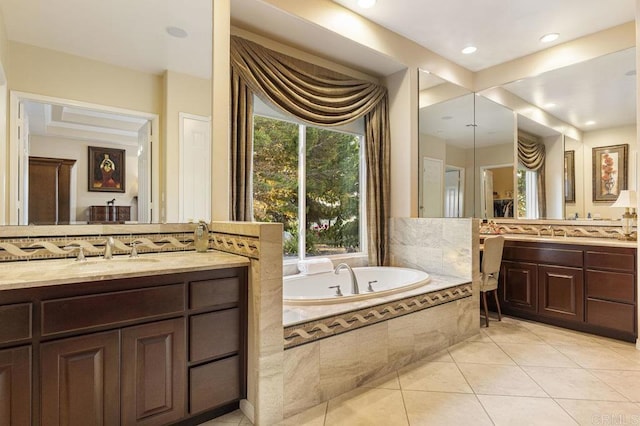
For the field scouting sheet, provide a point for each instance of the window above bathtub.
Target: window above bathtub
(312, 180)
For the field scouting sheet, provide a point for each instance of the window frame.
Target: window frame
(302, 187)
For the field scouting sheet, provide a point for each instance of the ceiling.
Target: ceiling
(501, 30)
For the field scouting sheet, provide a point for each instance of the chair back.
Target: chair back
(492, 255)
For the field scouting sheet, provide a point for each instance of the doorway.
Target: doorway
(42, 126)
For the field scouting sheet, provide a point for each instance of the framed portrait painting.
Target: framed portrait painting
(609, 171)
(106, 169)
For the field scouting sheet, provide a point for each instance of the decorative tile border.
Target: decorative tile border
(235, 244)
(299, 334)
(34, 248)
(613, 232)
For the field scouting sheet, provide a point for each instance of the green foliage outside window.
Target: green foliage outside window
(332, 197)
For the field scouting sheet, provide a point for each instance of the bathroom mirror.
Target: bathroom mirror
(446, 143)
(596, 97)
(152, 74)
(494, 159)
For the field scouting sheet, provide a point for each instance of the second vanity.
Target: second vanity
(159, 339)
(585, 284)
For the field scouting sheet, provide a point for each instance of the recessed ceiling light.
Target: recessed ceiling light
(548, 38)
(177, 32)
(366, 4)
(469, 50)
(589, 123)
(446, 117)
(630, 73)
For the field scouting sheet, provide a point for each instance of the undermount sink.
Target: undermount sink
(116, 262)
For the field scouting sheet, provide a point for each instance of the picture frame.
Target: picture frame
(609, 167)
(569, 176)
(106, 169)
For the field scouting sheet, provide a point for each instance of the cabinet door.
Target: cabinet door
(519, 286)
(153, 373)
(561, 292)
(15, 386)
(80, 380)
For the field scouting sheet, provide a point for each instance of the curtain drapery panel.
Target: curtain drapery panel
(319, 97)
(531, 154)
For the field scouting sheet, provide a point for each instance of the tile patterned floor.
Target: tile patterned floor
(513, 373)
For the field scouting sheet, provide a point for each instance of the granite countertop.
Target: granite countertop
(40, 273)
(591, 241)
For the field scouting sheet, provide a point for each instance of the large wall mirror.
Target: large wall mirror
(466, 152)
(596, 97)
(137, 94)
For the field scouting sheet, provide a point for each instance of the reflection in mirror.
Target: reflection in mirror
(540, 171)
(446, 148)
(494, 136)
(146, 67)
(596, 97)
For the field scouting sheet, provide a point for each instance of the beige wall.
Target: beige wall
(51, 73)
(4, 118)
(58, 147)
(605, 137)
(503, 181)
(187, 94)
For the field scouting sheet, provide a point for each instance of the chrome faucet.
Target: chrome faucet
(108, 248)
(354, 281)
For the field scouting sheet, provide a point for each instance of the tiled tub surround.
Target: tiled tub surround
(258, 243)
(332, 349)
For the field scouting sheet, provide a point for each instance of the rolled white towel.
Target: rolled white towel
(315, 266)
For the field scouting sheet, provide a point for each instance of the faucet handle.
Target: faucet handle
(134, 251)
(80, 256)
(370, 288)
(337, 287)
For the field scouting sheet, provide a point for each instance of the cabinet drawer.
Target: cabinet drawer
(623, 261)
(614, 286)
(85, 312)
(544, 255)
(214, 384)
(214, 292)
(618, 316)
(214, 334)
(15, 322)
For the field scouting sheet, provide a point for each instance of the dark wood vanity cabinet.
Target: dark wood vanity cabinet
(586, 288)
(137, 351)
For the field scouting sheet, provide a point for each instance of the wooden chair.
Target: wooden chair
(489, 271)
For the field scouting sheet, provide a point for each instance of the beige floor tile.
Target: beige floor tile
(598, 357)
(541, 355)
(434, 376)
(500, 380)
(630, 351)
(518, 410)
(572, 383)
(436, 408)
(442, 356)
(601, 412)
(480, 353)
(564, 337)
(480, 337)
(367, 407)
(389, 381)
(511, 333)
(314, 416)
(625, 382)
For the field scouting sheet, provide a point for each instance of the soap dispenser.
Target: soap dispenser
(201, 237)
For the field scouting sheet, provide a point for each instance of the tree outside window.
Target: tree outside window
(318, 197)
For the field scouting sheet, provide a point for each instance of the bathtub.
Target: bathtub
(314, 289)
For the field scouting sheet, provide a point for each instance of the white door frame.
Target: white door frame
(16, 156)
(492, 166)
(181, 117)
(461, 186)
